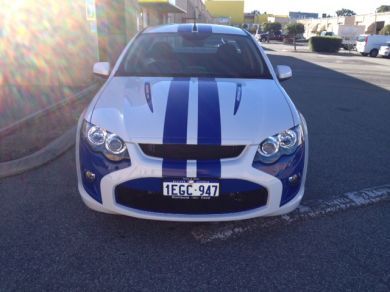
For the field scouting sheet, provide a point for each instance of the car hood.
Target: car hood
(192, 110)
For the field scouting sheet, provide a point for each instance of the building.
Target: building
(117, 22)
(226, 11)
(155, 12)
(302, 15)
(254, 20)
(57, 42)
(48, 42)
(283, 19)
(195, 9)
(372, 23)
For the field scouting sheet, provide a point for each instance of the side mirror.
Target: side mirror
(102, 69)
(283, 72)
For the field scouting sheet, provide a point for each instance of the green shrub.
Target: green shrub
(325, 44)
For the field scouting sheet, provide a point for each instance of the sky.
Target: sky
(319, 6)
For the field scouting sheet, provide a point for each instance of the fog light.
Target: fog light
(90, 175)
(294, 179)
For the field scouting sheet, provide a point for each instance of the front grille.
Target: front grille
(230, 200)
(191, 152)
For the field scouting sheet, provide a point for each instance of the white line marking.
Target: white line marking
(209, 232)
(191, 168)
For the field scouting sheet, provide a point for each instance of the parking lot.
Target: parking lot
(50, 239)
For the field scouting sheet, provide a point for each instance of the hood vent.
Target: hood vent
(238, 98)
(148, 96)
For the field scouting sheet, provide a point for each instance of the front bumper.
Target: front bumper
(238, 169)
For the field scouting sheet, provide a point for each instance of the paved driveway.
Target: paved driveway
(346, 102)
(50, 241)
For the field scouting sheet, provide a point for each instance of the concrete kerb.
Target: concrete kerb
(42, 156)
(49, 152)
(18, 124)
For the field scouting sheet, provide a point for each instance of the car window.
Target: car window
(193, 55)
(361, 38)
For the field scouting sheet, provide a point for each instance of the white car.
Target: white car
(192, 124)
(384, 50)
(370, 44)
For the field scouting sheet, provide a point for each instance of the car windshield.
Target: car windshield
(193, 55)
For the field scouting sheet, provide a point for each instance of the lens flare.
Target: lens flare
(47, 48)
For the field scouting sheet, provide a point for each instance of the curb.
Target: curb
(42, 156)
(16, 125)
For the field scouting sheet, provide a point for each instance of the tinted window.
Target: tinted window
(193, 55)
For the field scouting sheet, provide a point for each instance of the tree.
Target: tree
(345, 12)
(323, 28)
(383, 8)
(256, 12)
(385, 30)
(294, 29)
(272, 27)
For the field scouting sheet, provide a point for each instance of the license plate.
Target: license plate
(191, 189)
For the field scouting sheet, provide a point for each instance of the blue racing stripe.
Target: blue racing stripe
(199, 28)
(175, 126)
(174, 168)
(205, 29)
(185, 28)
(208, 168)
(209, 125)
(176, 115)
(209, 116)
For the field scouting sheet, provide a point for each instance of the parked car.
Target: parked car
(184, 131)
(327, 33)
(272, 36)
(384, 50)
(370, 44)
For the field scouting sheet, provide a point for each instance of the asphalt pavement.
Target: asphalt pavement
(346, 102)
(50, 241)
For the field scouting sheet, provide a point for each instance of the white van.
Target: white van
(370, 44)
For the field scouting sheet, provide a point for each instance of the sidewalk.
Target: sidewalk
(20, 101)
(47, 131)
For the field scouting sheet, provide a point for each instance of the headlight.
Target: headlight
(269, 147)
(109, 144)
(96, 136)
(288, 141)
(284, 143)
(114, 144)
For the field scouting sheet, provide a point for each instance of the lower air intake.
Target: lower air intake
(231, 199)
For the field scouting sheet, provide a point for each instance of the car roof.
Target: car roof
(200, 27)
